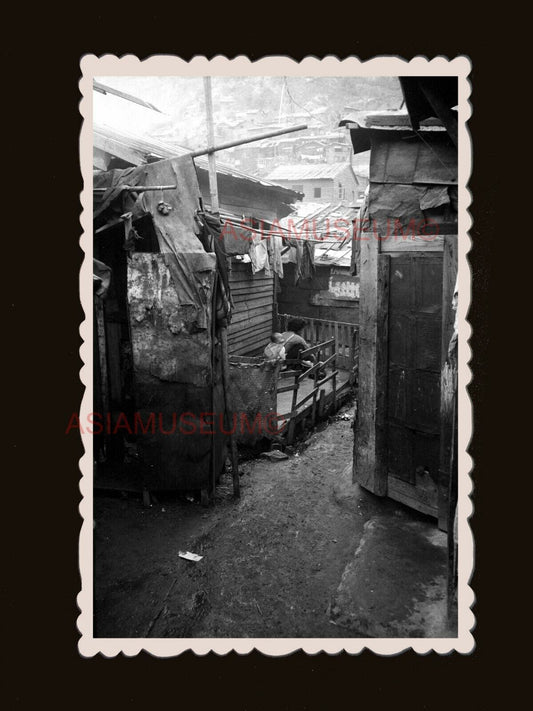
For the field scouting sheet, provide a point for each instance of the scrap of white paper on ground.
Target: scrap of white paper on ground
(190, 556)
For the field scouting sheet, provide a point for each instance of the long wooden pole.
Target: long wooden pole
(244, 141)
(213, 188)
(223, 331)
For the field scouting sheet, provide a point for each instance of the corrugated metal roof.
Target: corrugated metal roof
(321, 215)
(335, 247)
(103, 89)
(333, 257)
(307, 172)
(140, 148)
(390, 121)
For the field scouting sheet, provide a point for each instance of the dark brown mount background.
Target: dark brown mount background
(299, 679)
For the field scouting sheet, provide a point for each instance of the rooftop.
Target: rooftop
(306, 172)
(137, 149)
(391, 121)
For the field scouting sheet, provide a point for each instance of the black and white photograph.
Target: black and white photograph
(275, 419)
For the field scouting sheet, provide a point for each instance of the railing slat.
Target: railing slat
(323, 330)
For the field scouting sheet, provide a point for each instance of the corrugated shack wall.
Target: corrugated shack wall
(253, 298)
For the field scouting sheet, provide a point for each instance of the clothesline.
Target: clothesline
(287, 233)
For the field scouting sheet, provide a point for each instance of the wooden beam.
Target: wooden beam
(369, 450)
(213, 189)
(418, 243)
(448, 380)
(243, 141)
(382, 370)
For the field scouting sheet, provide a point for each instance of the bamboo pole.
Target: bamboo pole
(213, 188)
(138, 188)
(223, 331)
(243, 141)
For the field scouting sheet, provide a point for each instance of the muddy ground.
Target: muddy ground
(273, 561)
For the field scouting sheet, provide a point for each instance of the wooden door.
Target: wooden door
(412, 411)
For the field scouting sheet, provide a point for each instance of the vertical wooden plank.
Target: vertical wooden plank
(321, 401)
(292, 424)
(452, 504)
(313, 412)
(223, 334)
(213, 188)
(343, 346)
(448, 379)
(369, 453)
(102, 352)
(295, 393)
(275, 283)
(102, 361)
(382, 366)
(113, 332)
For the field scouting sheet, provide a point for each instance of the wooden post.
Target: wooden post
(336, 345)
(313, 411)
(334, 380)
(369, 469)
(102, 358)
(321, 403)
(448, 379)
(213, 188)
(382, 367)
(295, 392)
(223, 332)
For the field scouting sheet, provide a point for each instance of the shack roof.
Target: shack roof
(322, 171)
(329, 226)
(240, 193)
(385, 122)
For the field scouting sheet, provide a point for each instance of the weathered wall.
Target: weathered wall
(412, 204)
(173, 376)
(332, 294)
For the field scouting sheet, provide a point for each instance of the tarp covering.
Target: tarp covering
(175, 226)
(432, 159)
(392, 208)
(177, 369)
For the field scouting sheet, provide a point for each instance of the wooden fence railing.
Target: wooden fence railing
(325, 356)
(318, 330)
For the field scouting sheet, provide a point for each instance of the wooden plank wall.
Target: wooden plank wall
(253, 297)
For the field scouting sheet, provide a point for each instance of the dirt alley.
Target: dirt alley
(272, 561)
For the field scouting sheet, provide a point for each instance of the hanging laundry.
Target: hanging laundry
(275, 244)
(308, 260)
(289, 257)
(299, 258)
(259, 256)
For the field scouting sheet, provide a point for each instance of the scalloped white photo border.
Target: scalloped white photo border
(167, 65)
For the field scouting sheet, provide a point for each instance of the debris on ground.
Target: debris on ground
(275, 455)
(186, 555)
